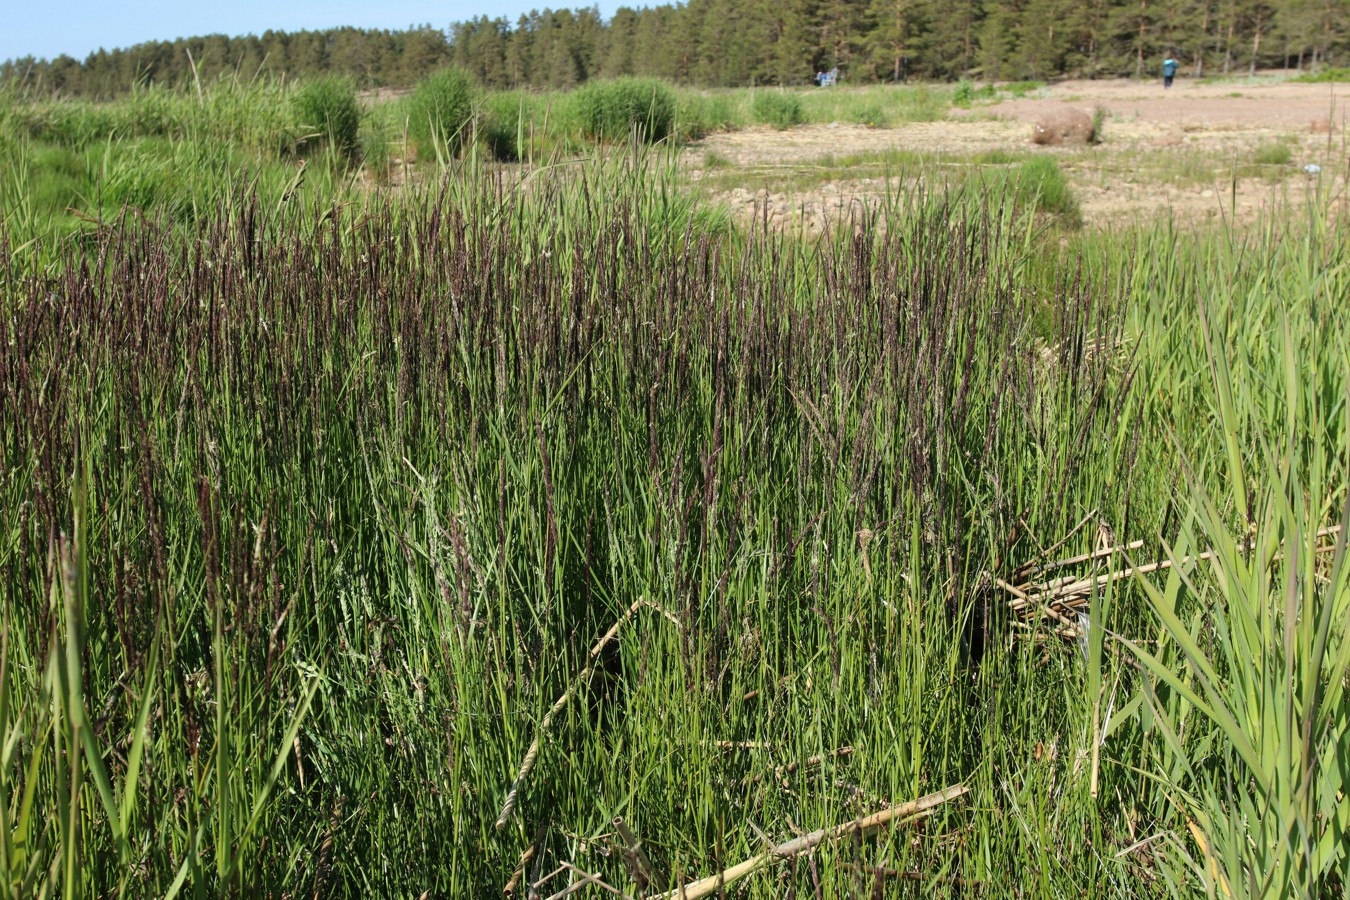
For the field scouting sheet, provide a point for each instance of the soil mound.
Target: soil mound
(1064, 126)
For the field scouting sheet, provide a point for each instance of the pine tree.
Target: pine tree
(844, 26)
(794, 33)
(897, 24)
(999, 40)
(617, 57)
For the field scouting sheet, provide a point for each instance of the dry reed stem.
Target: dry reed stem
(1081, 558)
(713, 884)
(644, 873)
(1071, 592)
(586, 879)
(525, 858)
(532, 754)
(781, 772)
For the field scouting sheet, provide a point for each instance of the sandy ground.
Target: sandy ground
(1186, 152)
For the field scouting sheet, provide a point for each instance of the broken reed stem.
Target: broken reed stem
(1029, 594)
(739, 745)
(1024, 600)
(532, 754)
(782, 772)
(586, 878)
(1085, 557)
(525, 858)
(641, 867)
(714, 884)
(1064, 540)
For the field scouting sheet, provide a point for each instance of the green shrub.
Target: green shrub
(504, 125)
(252, 115)
(1022, 88)
(1039, 183)
(440, 112)
(67, 122)
(870, 113)
(998, 157)
(327, 114)
(699, 114)
(375, 154)
(923, 104)
(153, 112)
(611, 110)
(963, 93)
(1273, 154)
(1329, 73)
(1042, 174)
(57, 178)
(777, 108)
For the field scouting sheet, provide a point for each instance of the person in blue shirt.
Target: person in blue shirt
(1169, 71)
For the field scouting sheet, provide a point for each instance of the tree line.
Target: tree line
(748, 42)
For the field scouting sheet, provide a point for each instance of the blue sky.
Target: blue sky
(53, 27)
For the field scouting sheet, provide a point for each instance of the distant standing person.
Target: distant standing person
(1169, 71)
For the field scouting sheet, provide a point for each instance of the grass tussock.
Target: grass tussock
(779, 109)
(440, 113)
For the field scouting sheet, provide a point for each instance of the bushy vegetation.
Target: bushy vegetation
(1038, 183)
(440, 112)
(704, 112)
(876, 105)
(255, 117)
(1274, 153)
(1325, 74)
(614, 110)
(507, 124)
(328, 115)
(781, 109)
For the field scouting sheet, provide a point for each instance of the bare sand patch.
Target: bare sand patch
(1190, 153)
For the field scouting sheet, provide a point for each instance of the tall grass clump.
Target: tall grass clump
(777, 108)
(876, 105)
(781, 467)
(1246, 687)
(252, 115)
(703, 112)
(1274, 153)
(542, 532)
(612, 110)
(1325, 74)
(327, 115)
(1038, 183)
(440, 112)
(507, 124)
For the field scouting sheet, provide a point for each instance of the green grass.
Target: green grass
(781, 109)
(1324, 75)
(615, 110)
(1273, 154)
(328, 115)
(313, 501)
(891, 105)
(439, 113)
